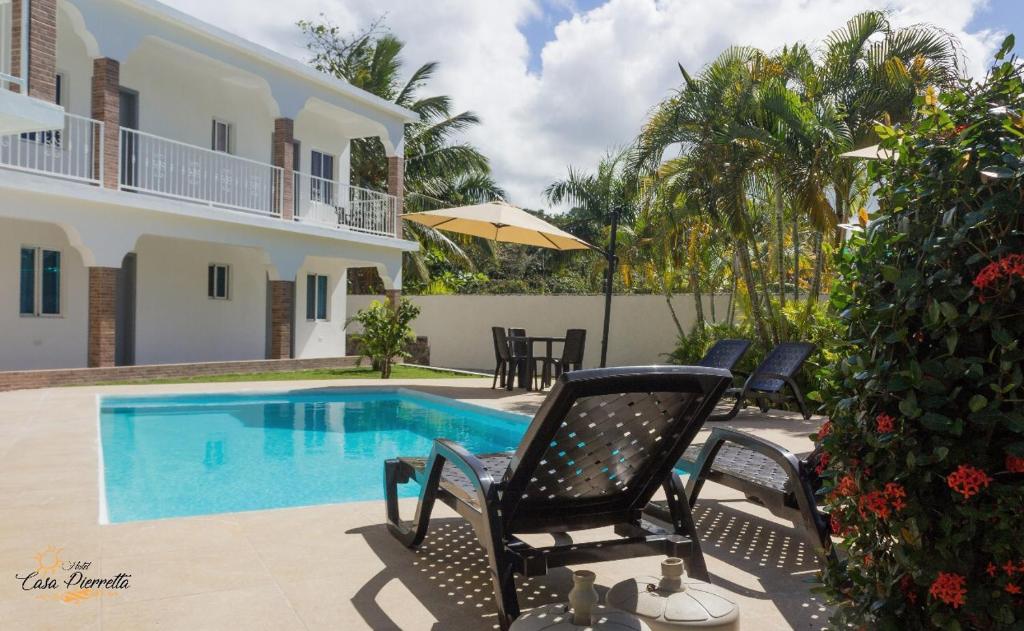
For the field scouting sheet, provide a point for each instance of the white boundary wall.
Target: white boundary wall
(459, 327)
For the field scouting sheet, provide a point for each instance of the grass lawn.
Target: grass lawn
(364, 372)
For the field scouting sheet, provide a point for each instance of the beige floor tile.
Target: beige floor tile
(251, 609)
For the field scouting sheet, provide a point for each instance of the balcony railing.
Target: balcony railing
(329, 203)
(8, 76)
(70, 153)
(168, 168)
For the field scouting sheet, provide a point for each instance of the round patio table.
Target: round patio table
(526, 368)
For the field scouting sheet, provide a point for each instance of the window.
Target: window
(221, 136)
(321, 167)
(217, 279)
(58, 83)
(316, 297)
(40, 282)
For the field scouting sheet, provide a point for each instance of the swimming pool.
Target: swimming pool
(172, 456)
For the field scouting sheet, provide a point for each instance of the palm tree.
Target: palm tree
(440, 170)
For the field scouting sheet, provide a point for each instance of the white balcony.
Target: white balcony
(70, 152)
(333, 204)
(18, 111)
(168, 168)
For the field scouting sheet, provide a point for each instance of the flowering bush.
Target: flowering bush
(924, 450)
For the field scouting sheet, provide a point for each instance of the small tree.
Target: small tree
(385, 333)
(924, 452)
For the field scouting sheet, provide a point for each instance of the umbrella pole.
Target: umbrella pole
(608, 278)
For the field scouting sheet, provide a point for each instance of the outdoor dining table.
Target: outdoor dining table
(526, 368)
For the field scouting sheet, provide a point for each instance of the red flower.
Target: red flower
(968, 480)
(1010, 568)
(822, 463)
(950, 588)
(895, 493)
(1005, 268)
(884, 423)
(907, 587)
(825, 429)
(1012, 588)
(991, 569)
(847, 486)
(837, 526)
(1014, 464)
(873, 502)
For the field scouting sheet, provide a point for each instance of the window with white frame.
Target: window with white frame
(40, 282)
(221, 136)
(218, 277)
(321, 167)
(316, 297)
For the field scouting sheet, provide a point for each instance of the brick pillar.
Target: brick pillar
(42, 47)
(282, 309)
(106, 107)
(396, 186)
(102, 316)
(283, 155)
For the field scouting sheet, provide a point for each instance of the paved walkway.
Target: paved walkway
(322, 567)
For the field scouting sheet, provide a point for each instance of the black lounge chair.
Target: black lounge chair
(767, 474)
(766, 385)
(725, 354)
(598, 449)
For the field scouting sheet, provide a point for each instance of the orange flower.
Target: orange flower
(847, 486)
(873, 502)
(949, 587)
(1014, 464)
(968, 480)
(991, 569)
(1012, 588)
(1010, 568)
(825, 429)
(885, 423)
(823, 461)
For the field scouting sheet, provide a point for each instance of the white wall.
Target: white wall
(176, 321)
(318, 133)
(459, 327)
(321, 338)
(180, 96)
(45, 342)
(74, 62)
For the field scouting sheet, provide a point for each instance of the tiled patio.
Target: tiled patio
(324, 567)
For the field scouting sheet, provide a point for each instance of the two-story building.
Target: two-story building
(172, 193)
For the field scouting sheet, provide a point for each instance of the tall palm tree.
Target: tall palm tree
(440, 169)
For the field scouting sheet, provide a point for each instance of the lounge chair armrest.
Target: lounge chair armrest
(465, 462)
(782, 456)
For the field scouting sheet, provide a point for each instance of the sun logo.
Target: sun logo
(48, 560)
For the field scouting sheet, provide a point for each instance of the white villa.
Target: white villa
(171, 193)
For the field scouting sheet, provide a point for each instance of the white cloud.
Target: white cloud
(601, 73)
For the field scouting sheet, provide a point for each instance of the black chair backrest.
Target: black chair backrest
(519, 348)
(785, 359)
(602, 444)
(572, 350)
(501, 352)
(724, 354)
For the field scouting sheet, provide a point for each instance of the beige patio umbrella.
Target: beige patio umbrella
(499, 221)
(873, 152)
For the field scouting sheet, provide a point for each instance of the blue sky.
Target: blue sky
(1002, 15)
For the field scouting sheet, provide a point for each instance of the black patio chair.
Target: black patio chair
(766, 473)
(725, 354)
(503, 368)
(598, 449)
(766, 385)
(571, 359)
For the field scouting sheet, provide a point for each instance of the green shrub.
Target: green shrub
(385, 333)
(925, 448)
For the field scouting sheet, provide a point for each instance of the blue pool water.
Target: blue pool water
(204, 454)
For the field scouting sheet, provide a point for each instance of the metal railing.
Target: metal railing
(168, 168)
(329, 203)
(71, 153)
(8, 77)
